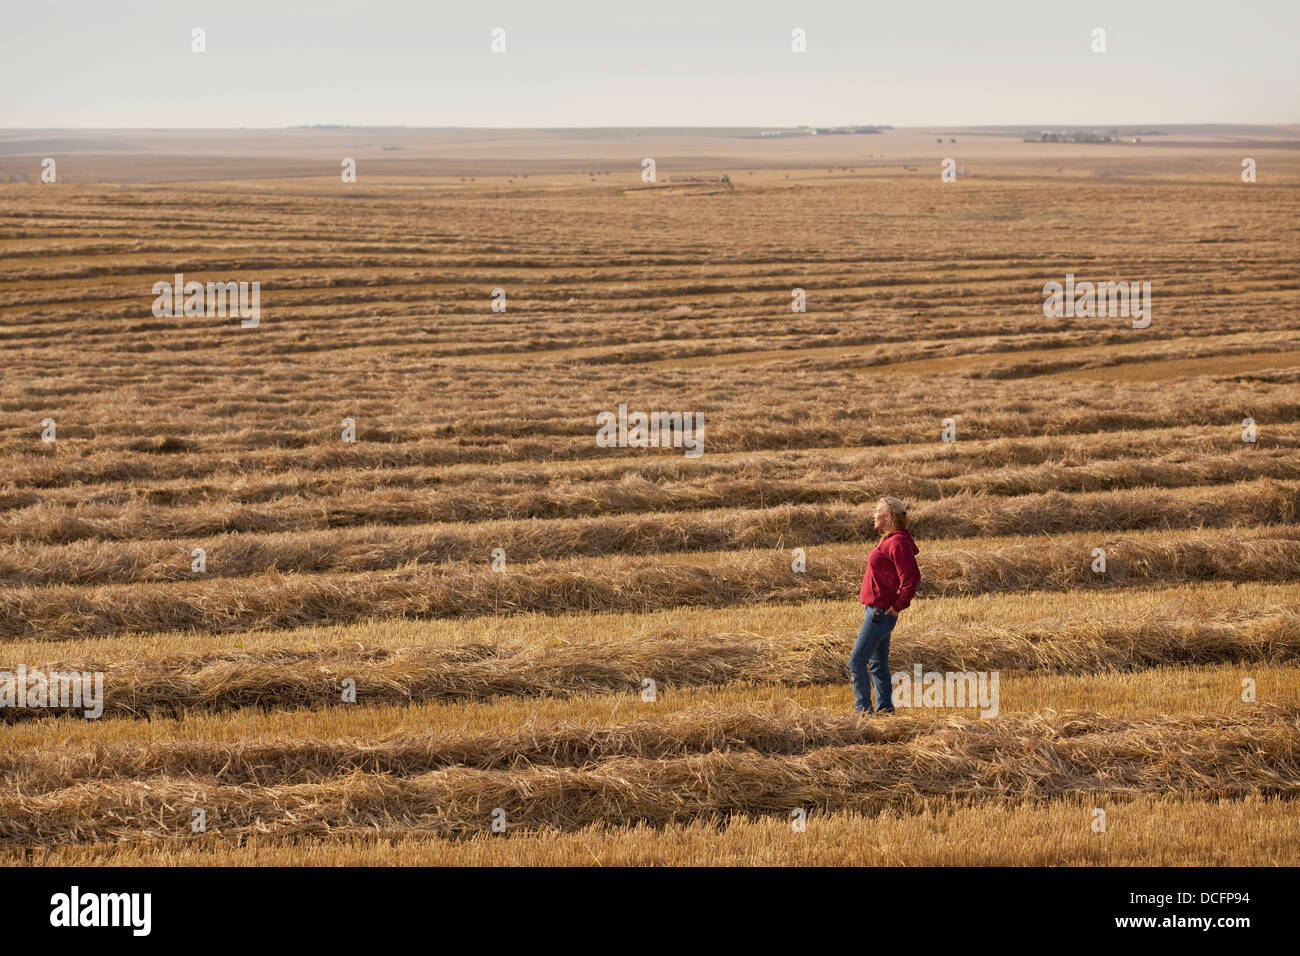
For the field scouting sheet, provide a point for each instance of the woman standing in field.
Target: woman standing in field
(887, 589)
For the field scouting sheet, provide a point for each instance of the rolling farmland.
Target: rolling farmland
(610, 650)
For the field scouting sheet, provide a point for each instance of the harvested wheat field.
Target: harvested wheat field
(364, 587)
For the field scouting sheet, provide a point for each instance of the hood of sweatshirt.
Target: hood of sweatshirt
(904, 536)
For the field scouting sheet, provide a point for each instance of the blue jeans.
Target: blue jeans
(869, 664)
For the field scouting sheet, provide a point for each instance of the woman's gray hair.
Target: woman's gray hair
(896, 509)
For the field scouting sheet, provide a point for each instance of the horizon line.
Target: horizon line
(880, 126)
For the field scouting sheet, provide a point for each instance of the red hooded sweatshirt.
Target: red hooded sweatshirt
(892, 574)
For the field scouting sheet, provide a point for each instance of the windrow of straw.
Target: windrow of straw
(1029, 757)
(303, 501)
(776, 728)
(377, 548)
(1093, 461)
(91, 450)
(208, 682)
(1141, 830)
(622, 583)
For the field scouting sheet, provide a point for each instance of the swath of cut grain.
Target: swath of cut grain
(961, 758)
(481, 671)
(622, 583)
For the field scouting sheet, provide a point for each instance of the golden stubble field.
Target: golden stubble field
(517, 693)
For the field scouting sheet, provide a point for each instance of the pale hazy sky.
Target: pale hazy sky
(127, 63)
